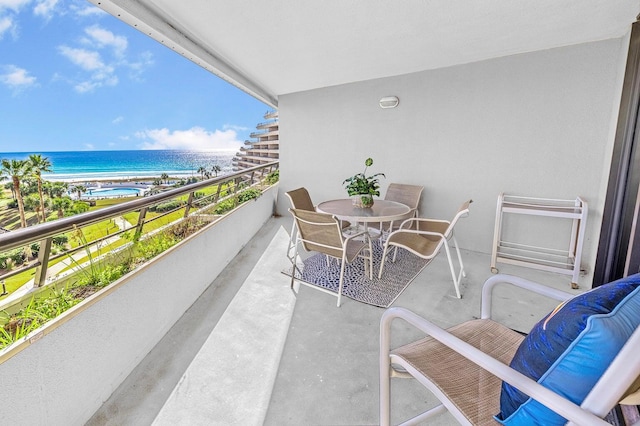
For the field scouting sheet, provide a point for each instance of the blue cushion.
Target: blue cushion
(569, 349)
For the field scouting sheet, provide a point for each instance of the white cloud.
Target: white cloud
(85, 86)
(16, 78)
(89, 10)
(196, 138)
(86, 59)
(89, 146)
(103, 64)
(137, 68)
(6, 24)
(90, 60)
(45, 8)
(14, 5)
(234, 127)
(103, 38)
(118, 120)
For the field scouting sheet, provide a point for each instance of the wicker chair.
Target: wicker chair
(301, 200)
(322, 233)
(465, 366)
(406, 194)
(425, 238)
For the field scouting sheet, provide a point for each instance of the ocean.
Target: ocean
(103, 165)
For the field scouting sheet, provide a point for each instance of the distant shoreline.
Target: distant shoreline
(109, 178)
(92, 166)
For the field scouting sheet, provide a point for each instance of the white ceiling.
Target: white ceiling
(274, 47)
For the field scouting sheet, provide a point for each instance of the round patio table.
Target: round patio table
(381, 211)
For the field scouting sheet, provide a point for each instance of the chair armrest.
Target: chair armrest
(550, 399)
(359, 234)
(421, 219)
(491, 282)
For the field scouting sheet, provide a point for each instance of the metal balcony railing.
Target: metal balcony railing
(45, 232)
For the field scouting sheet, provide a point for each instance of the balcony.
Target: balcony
(292, 356)
(247, 345)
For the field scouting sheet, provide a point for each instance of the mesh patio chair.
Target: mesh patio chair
(587, 349)
(322, 233)
(301, 200)
(425, 238)
(402, 193)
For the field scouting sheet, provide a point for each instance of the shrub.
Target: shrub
(273, 177)
(60, 240)
(80, 207)
(225, 206)
(169, 205)
(249, 194)
(17, 256)
(155, 245)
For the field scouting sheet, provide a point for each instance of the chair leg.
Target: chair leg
(462, 271)
(395, 254)
(369, 268)
(384, 256)
(385, 388)
(295, 266)
(293, 241)
(456, 280)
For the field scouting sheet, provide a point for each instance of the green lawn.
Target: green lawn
(9, 219)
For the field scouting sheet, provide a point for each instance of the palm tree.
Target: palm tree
(61, 204)
(32, 202)
(164, 177)
(38, 165)
(80, 189)
(202, 170)
(56, 189)
(216, 169)
(9, 185)
(16, 170)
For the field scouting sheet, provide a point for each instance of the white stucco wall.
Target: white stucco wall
(64, 377)
(539, 124)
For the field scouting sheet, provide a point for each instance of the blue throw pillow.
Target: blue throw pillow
(569, 349)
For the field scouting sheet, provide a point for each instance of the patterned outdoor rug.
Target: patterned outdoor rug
(377, 292)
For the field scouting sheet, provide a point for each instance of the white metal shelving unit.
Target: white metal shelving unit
(548, 259)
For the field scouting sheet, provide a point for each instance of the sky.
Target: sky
(75, 78)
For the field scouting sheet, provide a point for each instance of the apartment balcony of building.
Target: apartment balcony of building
(477, 116)
(291, 347)
(265, 144)
(262, 151)
(271, 114)
(242, 345)
(272, 125)
(263, 156)
(264, 135)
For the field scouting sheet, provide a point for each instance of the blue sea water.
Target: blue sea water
(93, 165)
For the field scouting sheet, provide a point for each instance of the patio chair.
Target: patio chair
(425, 238)
(576, 364)
(301, 200)
(405, 194)
(322, 233)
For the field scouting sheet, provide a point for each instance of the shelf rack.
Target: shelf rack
(548, 259)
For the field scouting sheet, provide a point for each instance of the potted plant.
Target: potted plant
(362, 187)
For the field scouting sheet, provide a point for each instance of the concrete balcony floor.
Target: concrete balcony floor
(315, 364)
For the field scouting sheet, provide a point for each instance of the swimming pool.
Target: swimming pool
(113, 192)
